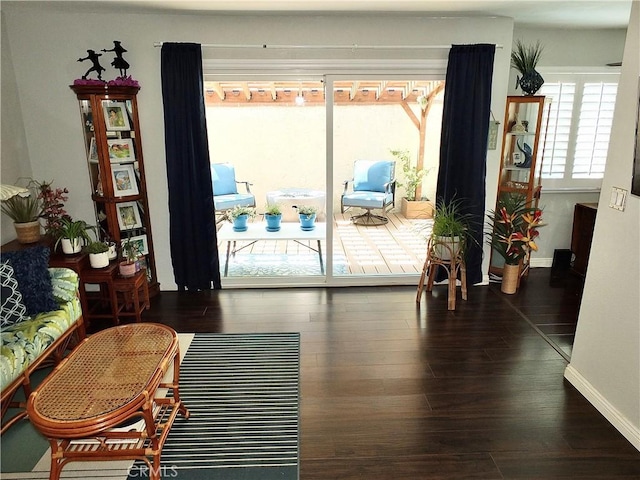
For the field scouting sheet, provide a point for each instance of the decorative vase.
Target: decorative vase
(307, 221)
(99, 260)
(28, 232)
(127, 269)
(71, 247)
(530, 82)
(273, 222)
(240, 223)
(510, 279)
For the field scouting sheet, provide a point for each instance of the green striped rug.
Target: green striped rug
(242, 394)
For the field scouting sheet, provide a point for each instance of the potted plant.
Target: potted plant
(128, 266)
(412, 207)
(307, 215)
(525, 59)
(273, 217)
(72, 235)
(240, 215)
(451, 229)
(24, 209)
(98, 254)
(513, 230)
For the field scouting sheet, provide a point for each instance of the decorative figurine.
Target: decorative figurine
(96, 67)
(119, 62)
(528, 155)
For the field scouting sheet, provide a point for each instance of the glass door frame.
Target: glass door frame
(329, 71)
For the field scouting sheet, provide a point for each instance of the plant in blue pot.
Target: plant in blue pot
(307, 215)
(273, 217)
(240, 217)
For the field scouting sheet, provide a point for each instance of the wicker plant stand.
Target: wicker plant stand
(111, 378)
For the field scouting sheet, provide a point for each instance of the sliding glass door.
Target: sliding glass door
(297, 140)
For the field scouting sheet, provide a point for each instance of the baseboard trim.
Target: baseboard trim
(630, 431)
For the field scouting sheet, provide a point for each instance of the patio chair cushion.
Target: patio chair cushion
(371, 175)
(224, 179)
(227, 202)
(367, 199)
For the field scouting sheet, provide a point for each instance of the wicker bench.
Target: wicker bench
(39, 342)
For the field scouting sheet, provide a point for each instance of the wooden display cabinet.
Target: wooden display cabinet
(522, 153)
(113, 144)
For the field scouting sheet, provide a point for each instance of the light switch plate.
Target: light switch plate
(618, 198)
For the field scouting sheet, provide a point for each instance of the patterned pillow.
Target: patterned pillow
(31, 270)
(12, 310)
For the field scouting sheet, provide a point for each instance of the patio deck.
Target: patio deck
(399, 247)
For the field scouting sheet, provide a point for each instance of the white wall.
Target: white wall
(279, 147)
(46, 39)
(605, 363)
(15, 158)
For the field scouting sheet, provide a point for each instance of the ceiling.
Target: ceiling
(531, 13)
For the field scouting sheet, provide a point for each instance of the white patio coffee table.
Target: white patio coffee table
(257, 232)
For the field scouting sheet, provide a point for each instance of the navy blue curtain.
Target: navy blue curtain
(192, 230)
(463, 143)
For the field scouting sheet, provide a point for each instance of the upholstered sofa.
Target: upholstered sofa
(32, 339)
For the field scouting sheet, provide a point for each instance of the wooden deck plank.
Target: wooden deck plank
(396, 248)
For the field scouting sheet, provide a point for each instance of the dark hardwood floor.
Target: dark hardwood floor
(389, 391)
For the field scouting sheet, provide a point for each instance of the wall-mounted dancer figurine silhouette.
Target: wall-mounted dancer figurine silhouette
(119, 62)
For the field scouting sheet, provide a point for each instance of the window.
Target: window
(576, 139)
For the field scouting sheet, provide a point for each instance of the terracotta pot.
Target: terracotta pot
(28, 232)
(510, 279)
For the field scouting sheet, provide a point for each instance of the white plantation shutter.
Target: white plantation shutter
(594, 129)
(556, 146)
(577, 136)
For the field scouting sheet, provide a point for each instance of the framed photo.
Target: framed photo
(128, 215)
(140, 242)
(116, 116)
(93, 150)
(121, 150)
(124, 180)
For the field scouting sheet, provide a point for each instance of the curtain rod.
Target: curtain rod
(354, 46)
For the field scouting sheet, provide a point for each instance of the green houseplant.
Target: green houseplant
(525, 59)
(307, 215)
(129, 264)
(412, 207)
(98, 254)
(273, 217)
(72, 235)
(451, 228)
(513, 229)
(240, 216)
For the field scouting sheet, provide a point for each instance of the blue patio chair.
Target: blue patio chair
(373, 188)
(225, 189)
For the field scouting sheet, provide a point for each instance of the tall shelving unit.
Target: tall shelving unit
(522, 154)
(111, 132)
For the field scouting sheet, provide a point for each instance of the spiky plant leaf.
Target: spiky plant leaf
(525, 58)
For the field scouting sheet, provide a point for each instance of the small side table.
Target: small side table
(132, 295)
(104, 277)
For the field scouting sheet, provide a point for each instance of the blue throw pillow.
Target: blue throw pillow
(12, 309)
(31, 271)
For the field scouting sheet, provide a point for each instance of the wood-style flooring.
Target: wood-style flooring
(390, 391)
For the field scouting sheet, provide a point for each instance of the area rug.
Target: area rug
(242, 392)
(268, 264)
